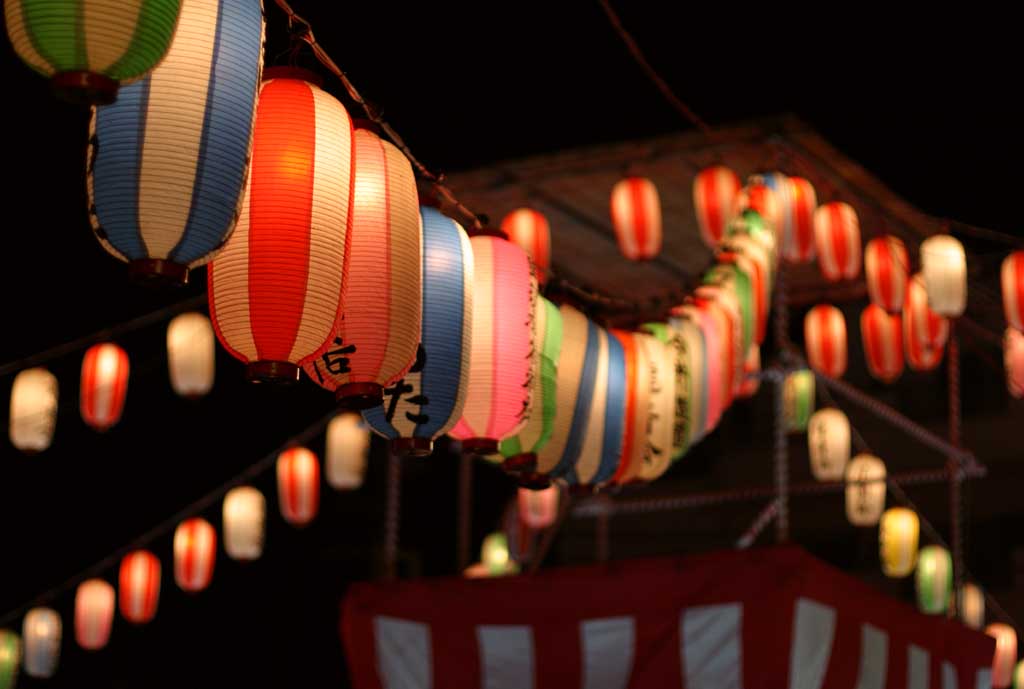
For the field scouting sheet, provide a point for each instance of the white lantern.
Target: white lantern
(898, 532)
(348, 443)
(245, 512)
(828, 439)
(33, 409)
(944, 266)
(94, 614)
(972, 606)
(865, 490)
(1005, 656)
(190, 354)
(41, 632)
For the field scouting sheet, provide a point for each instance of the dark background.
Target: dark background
(931, 109)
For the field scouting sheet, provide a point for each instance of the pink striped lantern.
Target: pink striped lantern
(714, 198)
(538, 508)
(761, 198)
(94, 614)
(716, 361)
(636, 215)
(1013, 359)
(887, 269)
(195, 552)
(530, 230)
(761, 276)
(721, 345)
(139, 586)
(882, 336)
(724, 306)
(929, 328)
(298, 485)
(798, 221)
(825, 340)
(1012, 279)
(837, 238)
(751, 370)
(501, 355)
(104, 385)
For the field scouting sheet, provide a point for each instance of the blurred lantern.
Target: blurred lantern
(897, 538)
(972, 606)
(751, 373)
(865, 490)
(529, 230)
(837, 237)
(719, 333)
(658, 453)
(887, 269)
(724, 306)
(600, 453)
(298, 485)
(195, 553)
(1012, 279)
(348, 444)
(375, 340)
(167, 161)
(934, 579)
(828, 440)
(918, 357)
(798, 400)
(882, 336)
(714, 382)
(714, 198)
(638, 379)
(538, 508)
(692, 391)
(10, 658)
(668, 336)
(797, 203)
(754, 258)
(501, 358)
(104, 385)
(428, 401)
(760, 199)
(1013, 360)
(33, 410)
(729, 277)
(191, 354)
(41, 631)
(944, 267)
(494, 554)
(139, 586)
(244, 517)
(275, 287)
(924, 331)
(87, 50)
(1018, 675)
(636, 215)
(1005, 656)
(825, 340)
(94, 614)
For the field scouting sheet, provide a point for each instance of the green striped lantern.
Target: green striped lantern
(10, 658)
(1018, 676)
(798, 400)
(690, 391)
(752, 224)
(934, 579)
(729, 277)
(89, 47)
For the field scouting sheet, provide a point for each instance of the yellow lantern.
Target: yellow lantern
(245, 512)
(41, 631)
(33, 410)
(10, 658)
(972, 606)
(828, 439)
(944, 266)
(190, 354)
(1005, 656)
(348, 443)
(865, 490)
(94, 614)
(898, 533)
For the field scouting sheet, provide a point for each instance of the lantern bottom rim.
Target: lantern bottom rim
(480, 446)
(532, 480)
(272, 372)
(523, 462)
(158, 271)
(412, 447)
(359, 396)
(83, 87)
(581, 489)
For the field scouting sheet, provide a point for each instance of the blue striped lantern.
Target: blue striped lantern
(168, 160)
(428, 401)
(607, 424)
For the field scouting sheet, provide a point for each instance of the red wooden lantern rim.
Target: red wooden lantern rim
(272, 372)
(158, 271)
(412, 447)
(359, 396)
(84, 88)
(480, 446)
(524, 462)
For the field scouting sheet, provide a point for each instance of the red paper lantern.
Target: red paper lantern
(919, 356)
(837, 237)
(718, 333)
(825, 340)
(714, 198)
(195, 552)
(798, 221)
(724, 306)
(529, 230)
(1013, 359)
(887, 268)
(1012, 278)
(761, 198)
(298, 485)
(139, 586)
(882, 335)
(930, 329)
(104, 385)
(636, 215)
(275, 288)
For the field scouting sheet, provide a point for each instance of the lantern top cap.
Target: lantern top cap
(487, 232)
(367, 124)
(293, 73)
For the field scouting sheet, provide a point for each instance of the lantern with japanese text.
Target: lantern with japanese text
(1012, 281)
(972, 606)
(944, 267)
(600, 454)
(837, 237)
(104, 385)
(1013, 361)
(751, 373)
(94, 614)
(716, 393)
(678, 357)
(924, 331)
(692, 392)
(723, 305)
(244, 517)
(10, 658)
(898, 532)
(139, 586)
(529, 230)
(714, 198)
(168, 160)
(636, 216)
(761, 200)
(798, 400)
(658, 453)
(825, 340)
(1005, 656)
(865, 490)
(882, 336)
(348, 444)
(828, 441)
(887, 271)
(275, 287)
(298, 485)
(731, 277)
(33, 410)
(538, 508)
(191, 354)
(195, 553)
(638, 377)
(41, 632)
(933, 579)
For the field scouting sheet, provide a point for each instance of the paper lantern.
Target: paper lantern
(494, 553)
(798, 221)
(798, 400)
(719, 335)
(723, 305)
(638, 377)
(428, 401)
(716, 394)
(1012, 280)
(501, 358)
(933, 579)
(661, 420)
(1013, 360)
(927, 331)
(168, 160)
(601, 452)
(41, 631)
(887, 270)
(529, 230)
(195, 553)
(375, 340)
(33, 410)
(882, 336)
(714, 198)
(730, 277)
(94, 614)
(10, 658)
(944, 267)
(972, 606)
(761, 199)
(825, 340)
(298, 485)
(636, 216)
(865, 490)
(191, 354)
(88, 49)
(837, 238)
(897, 540)
(275, 287)
(692, 387)
(348, 444)
(754, 258)
(751, 373)
(538, 508)
(244, 517)
(1018, 675)
(139, 586)
(1005, 656)
(104, 385)
(828, 441)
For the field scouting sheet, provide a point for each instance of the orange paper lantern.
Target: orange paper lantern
(139, 586)
(887, 269)
(94, 613)
(714, 198)
(882, 336)
(195, 552)
(837, 238)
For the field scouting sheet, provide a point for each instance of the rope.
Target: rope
(392, 516)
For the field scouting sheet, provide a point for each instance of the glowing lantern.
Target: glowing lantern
(104, 385)
(754, 258)
(33, 410)
(1018, 676)
(298, 485)
(882, 336)
(865, 490)
(191, 354)
(529, 229)
(724, 306)
(730, 277)
(601, 451)
(244, 516)
(42, 632)
(348, 444)
(1005, 656)
(501, 359)
(798, 400)
(798, 221)
(719, 333)
(715, 383)
(751, 370)
(10, 658)
(94, 614)
(828, 440)
(887, 269)
(538, 508)
(658, 453)
(275, 287)
(139, 586)
(898, 532)
(638, 375)
(837, 236)
(87, 50)
(494, 554)
(167, 161)
(972, 606)
(1013, 360)
(944, 267)
(924, 331)
(934, 579)
(692, 391)
(761, 200)
(195, 553)
(825, 340)
(1012, 280)
(636, 215)
(714, 198)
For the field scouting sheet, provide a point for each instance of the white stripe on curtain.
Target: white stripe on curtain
(814, 627)
(710, 637)
(506, 656)
(608, 646)
(403, 653)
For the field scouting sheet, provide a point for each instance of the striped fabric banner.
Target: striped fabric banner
(298, 485)
(882, 337)
(104, 385)
(887, 270)
(837, 238)
(1011, 276)
(636, 217)
(195, 553)
(529, 229)
(714, 198)
(138, 586)
(825, 340)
